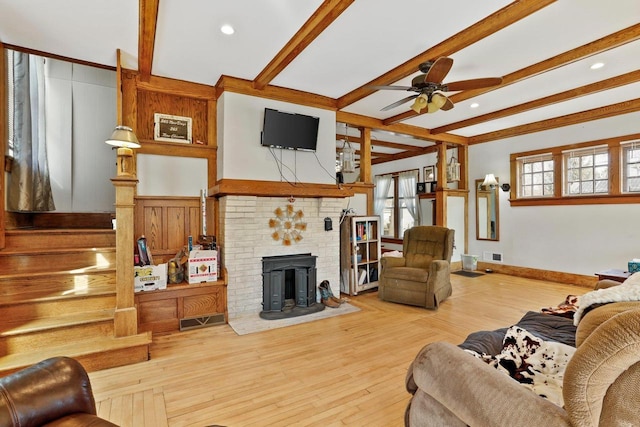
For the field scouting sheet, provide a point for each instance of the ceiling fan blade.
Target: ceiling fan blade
(473, 84)
(402, 101)
(438, 70)
(390, 87)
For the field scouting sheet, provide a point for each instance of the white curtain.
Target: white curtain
(407, 182)
(382, 185)
(29, 186)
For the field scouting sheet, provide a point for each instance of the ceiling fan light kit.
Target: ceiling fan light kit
(430, 88)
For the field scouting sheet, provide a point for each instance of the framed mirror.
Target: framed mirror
(487, 214)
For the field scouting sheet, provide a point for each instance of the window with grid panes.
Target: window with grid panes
(586, 171)
(395, 217)
(536, 176)
(631, 167)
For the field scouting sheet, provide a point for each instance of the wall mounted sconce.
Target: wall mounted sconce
(491, 182)
(125, 140)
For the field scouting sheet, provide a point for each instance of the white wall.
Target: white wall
(81, 114)
(578, 239)
(188, 175)
(240, 120)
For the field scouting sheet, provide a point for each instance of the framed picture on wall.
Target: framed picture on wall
(170, 128)
(429, 173)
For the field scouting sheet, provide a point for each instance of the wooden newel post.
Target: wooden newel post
(126, 317)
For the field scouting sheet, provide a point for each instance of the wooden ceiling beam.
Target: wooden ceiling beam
(324, 16)
(603, 112)
(624, 79)
(147, 36)
(378, 143)
(234, 84)
(611, 41)
(406, 155)
(358, 120)
(491, 24)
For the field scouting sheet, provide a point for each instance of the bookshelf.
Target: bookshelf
(359, 253)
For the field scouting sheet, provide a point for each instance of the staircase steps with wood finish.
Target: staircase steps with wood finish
(59, 299)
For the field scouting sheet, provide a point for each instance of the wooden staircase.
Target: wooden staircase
(58, 297)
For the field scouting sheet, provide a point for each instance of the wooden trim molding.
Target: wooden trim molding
(245, 187)
(535, 273)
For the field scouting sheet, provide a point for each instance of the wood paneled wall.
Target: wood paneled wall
(150, 102)
(167, 222)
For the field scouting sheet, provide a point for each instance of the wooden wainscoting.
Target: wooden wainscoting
(167, 222)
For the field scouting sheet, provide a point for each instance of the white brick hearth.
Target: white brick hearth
(245, 238)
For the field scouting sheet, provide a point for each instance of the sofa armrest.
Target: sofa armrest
(392, 261)
(477, 393)
(45, 392)
(609, 355)
(439, 275)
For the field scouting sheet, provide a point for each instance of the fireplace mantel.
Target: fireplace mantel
(246, 187)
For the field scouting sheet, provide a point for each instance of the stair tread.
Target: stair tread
(59, 230)
(97, 344)
(42, 275)
(12, 328)
(57, 283)
(60, 295)
(53, 251)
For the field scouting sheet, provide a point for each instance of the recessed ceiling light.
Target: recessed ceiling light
(474, 105)
(227, 29)
(597, 65)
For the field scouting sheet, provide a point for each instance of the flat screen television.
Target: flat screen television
(289, 130)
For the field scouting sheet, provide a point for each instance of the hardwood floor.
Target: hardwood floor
(345, 370)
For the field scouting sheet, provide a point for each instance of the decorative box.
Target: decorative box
(150, 277)
(202, 266)
(633, 266)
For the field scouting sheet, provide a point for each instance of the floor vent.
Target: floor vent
(201, 321)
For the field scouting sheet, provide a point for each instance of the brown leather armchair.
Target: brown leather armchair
(54, 392)
(421, 276)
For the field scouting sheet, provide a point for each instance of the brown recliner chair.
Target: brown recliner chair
(421, 276)
(54, 392)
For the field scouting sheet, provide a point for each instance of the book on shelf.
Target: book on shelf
(362, 276)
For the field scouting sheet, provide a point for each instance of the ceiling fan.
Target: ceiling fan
(430, 89)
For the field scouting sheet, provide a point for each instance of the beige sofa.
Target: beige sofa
(601, 384)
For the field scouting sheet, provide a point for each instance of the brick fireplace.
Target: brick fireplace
(246, 238)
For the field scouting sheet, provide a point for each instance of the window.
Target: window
(586, 171)
(397, 212)
(535, 177)
(9, 57)
(593, 172)
(631, 167)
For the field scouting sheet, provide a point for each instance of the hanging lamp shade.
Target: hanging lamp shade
(420, 102)
(123, 136)
(437, 101)
(348, 157)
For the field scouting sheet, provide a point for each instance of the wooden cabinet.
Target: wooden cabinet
(359, 253)
(182, 306)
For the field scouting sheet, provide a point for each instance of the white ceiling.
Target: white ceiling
(370, 38)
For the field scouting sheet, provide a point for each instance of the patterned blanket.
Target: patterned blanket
(537, 364)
